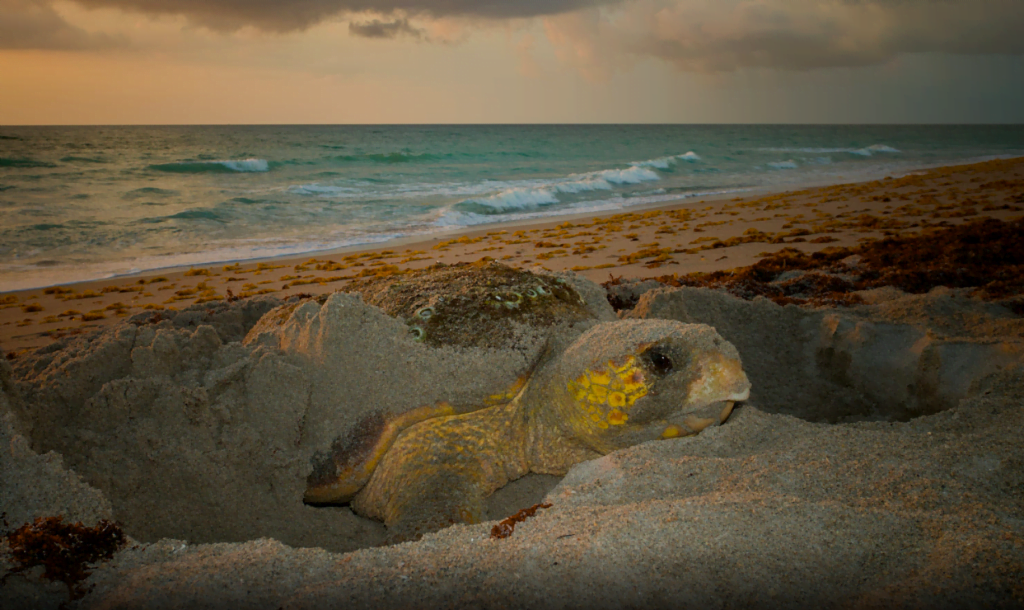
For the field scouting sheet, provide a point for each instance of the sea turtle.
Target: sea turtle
(620, 384)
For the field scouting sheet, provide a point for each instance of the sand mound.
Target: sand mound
(192, 434)
(878, 461)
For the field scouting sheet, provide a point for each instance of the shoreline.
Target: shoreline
(677, 236)
(473, 230)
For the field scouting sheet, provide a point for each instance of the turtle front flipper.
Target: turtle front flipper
(438, 472)
(346, 469)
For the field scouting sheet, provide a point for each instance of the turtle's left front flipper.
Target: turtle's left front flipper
(439, 471)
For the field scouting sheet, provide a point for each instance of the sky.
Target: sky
(511, 61)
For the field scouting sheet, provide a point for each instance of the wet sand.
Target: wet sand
(684, 237)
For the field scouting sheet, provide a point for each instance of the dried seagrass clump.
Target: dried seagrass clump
(65, 550)
(507, 526)
(987, 255)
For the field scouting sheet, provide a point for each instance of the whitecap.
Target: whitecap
(229, 165)
(512, 199)
(246, 165)
(667, 162)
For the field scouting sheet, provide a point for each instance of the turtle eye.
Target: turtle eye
(661, 363)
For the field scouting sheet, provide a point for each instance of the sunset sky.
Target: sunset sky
(511, 61)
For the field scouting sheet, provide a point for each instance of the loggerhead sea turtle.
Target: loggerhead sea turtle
(620, 384)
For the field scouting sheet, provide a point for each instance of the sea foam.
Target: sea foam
(546, 192)
(667, 162)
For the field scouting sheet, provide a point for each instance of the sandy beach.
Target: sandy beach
(686, 237)
(876, 461)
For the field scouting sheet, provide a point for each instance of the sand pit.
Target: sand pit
(193, 433)
(814, 492)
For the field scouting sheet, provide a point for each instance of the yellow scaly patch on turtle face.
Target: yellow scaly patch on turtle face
(607, 393)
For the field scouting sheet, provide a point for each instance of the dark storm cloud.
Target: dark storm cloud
(726, 35)
(29, 24)
(384, 29)
(289, 15)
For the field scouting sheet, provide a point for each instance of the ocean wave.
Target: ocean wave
(866, 151)
(783, 164)
(318, 189)
(512, 199)
(5, 188)
(74, 159)
(198, 167)
(196, 214)
(23, 162)
(394, 157)
(546, 193)
(453, 217)
(148, 191)
(667, 162)
(45, 226)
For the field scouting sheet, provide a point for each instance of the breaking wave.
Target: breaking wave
(667, 162)
(395, 157)
(199, 167)
(547, 192)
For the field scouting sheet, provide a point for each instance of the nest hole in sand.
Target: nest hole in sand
(193, 435)
(887, 362)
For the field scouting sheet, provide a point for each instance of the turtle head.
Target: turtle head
(631, 381)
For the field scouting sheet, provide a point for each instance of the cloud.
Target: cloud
(726, 35)
(33, 24)
(291, 15)
(528, 65)
(586, 41)
(384, 29)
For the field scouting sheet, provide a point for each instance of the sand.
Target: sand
(877, 462)
(687, 236)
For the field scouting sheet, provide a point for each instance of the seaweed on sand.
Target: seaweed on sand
(986, 255)
(65, 550)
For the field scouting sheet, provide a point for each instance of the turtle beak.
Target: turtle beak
(721, 379)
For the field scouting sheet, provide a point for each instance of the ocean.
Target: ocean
(82, 203)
